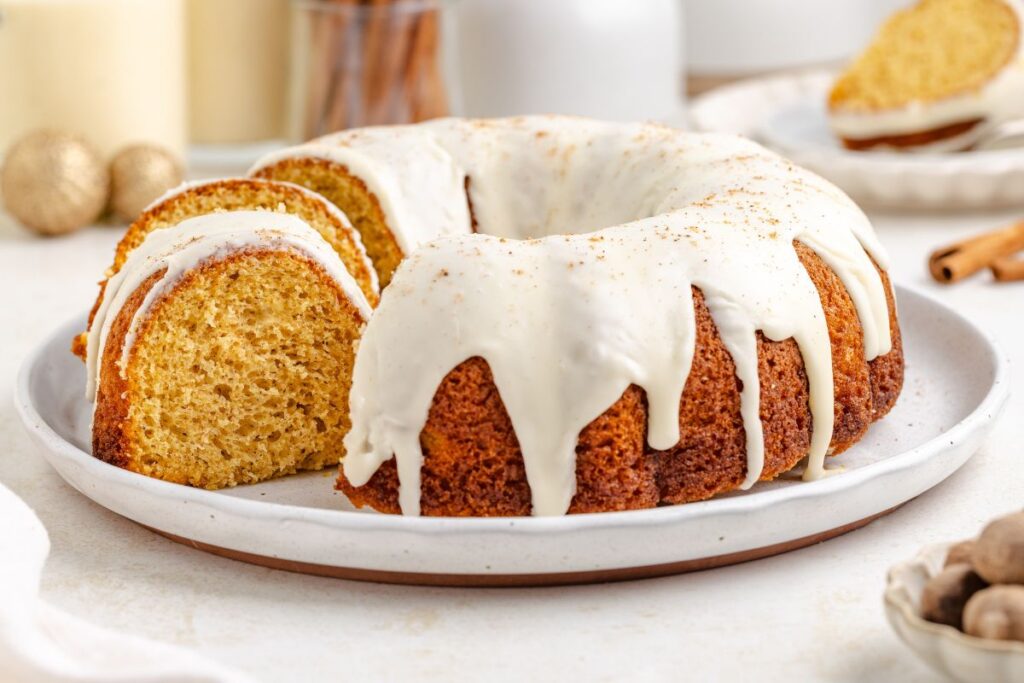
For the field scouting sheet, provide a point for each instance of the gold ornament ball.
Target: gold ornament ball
(138, 175)
(54, 182)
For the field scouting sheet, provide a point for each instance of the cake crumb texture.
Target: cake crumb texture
(239, 374)
(935, 49)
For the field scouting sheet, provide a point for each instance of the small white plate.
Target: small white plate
(942, 647)
(787, 113)
(956, 384)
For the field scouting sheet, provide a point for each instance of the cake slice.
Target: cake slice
(935, 76)
(221, 352)
(316, 170)
(388, 180)
(234, 194)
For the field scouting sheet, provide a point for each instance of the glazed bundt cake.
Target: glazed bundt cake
(935, 77)
(648, 317)
(222, 349)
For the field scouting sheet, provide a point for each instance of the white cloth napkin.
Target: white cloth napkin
(40, 643)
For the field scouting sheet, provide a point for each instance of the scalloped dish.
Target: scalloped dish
(947, 650)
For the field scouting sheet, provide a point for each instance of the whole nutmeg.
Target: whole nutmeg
(960, 553)
(54, 182)
(138, 175)
(998, 554)
(946, 593)
(996, 613)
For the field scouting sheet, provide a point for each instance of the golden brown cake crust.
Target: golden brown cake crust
(886, 372)
(473, 465)
(850, 376)
(710, 457)
(110, 441)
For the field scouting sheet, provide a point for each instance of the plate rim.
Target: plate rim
(986, 411)
(988, 178)
(512, 579)
(803, 80)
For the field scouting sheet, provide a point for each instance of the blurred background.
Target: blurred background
(232, 73)
(118, 100)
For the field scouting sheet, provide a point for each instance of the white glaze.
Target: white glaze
(191, 243)
(337, 214)
(406, 178)
(1001, 99)
(569, 321)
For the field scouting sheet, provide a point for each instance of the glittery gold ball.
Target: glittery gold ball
(54, 182)
(138, 175)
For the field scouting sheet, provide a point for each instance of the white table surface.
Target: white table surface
(813, 614)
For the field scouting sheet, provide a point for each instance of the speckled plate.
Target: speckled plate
(956, 385)
(787, 113)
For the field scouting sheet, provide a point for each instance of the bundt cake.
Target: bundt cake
(647, 317)
(935, 77)
(222, 349)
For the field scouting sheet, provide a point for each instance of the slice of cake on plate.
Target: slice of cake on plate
(936, 77)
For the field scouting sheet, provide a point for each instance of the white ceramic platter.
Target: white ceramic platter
(787, 113)
(955, 386)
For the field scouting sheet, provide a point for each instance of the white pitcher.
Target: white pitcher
(610, 59)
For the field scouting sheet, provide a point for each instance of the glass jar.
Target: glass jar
(364, 64)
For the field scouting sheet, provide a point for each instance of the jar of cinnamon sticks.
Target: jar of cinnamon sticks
(364, 62)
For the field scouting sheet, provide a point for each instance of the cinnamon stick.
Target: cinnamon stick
(386, 106)
(373, 78)
(345, 31)
(957, 261)
(436, 96)
(1008, 269)
(372, 62)
(318, 72)
(423, 82)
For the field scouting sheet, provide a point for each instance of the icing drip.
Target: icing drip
(998, 101)
(407, 179)
(195, 241)
(568, 315)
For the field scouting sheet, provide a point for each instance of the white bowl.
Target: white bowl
(945, 649)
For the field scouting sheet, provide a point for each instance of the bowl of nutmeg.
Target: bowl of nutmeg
(960, 606)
